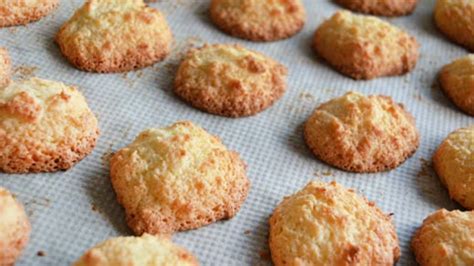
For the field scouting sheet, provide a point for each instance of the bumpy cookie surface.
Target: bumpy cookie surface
(381, 7)
(454, 164)
(362, 133)
(115, 36)
(14, 228)
(457, 82)
(455, 18)
(137, 251)
(20, 12)
(44, 126)
(445, 238)
(5, 67)
(365, 47)
(327, 224)
(259, 20)
(230, 80)
(177, 178)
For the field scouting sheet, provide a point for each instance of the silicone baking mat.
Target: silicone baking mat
(72, 211)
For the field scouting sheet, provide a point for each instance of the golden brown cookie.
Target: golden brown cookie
(445, 238)
(365, 47)
(230, 80)
(45, 126)
(21, 12)
(361, 133)
(390, 8)
(455, 18)
(454, 164)
(5, 67)
(177, 178)
(14, 228)
(327, 224)
(258, 20)
(457, 82)
(115, 36)
(137, 251)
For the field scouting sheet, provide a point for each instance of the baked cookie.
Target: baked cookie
(177, 178)
(14, 228)
(115, 36)
(389, 8)
(460, 11)
(457, 82)
(5, 68)
(327, 224)
(21, 12)
(45, 126)
(360, 133)
(445, 238)
(137, 251)
(365, 47)
(454, 164)
(230, 80)
(258, 20)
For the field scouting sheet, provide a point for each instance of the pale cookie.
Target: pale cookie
(389, 8)
(137, 251)
(445, 238)
(327, 224)
(259, 20)
(454, 164)
(14, 228)
(5, 67)
(230, 80)
(115, 36)
(457, 82)
(361, 133)
(45, 126)
(455, 18)
(177, 178)
(21, 12)
(365, 47)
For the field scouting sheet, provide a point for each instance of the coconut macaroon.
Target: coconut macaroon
(454, 164)
(457, 82)
(389, 8)
(445, 238)
(229, 80)
(177, 178)
(327, 224)
(365, 47)
(15, 12)
(137, 251)
(5, 67)
(259, 20)
(14, 228)
(361, 133)
(45, 126)
(460, 11)
(115, 36)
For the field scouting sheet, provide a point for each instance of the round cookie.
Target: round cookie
(360, 133)
(5, 67)
(390, 8)
(14, 228)
(445, 238)
(327, 224)
(177, 178)
(45, 126)
(229, 80)
(15, 12)
(259, 20)
(136, 251)
(115, 36)
(457, 82)
(460, 11)
(454, 164)
(365, 47)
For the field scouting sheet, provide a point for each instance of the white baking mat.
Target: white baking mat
(72, 211)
